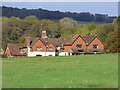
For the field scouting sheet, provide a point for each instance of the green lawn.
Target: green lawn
(83, 71)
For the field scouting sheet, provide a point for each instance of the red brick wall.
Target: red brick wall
(96, 41)
(51, 45)
(79, 40)
(44, 48)
(67, 48)
(39, 44)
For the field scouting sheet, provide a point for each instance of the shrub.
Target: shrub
(3, 56)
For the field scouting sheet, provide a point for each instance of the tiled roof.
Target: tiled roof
(47, 41)
(71, 39)
(15, 48)
(59, 41)
(88, 38)
(54, 41)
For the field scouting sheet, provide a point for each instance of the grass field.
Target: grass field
(83, 71)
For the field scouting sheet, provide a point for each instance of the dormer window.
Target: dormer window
(78, 46)
(39, 48)
(95, 46)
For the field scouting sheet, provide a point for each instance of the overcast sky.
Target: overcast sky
(110, 8)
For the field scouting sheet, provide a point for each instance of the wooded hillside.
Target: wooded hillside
(56, 15)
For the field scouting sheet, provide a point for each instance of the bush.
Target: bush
(3, 56)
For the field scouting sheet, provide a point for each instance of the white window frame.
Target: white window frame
(39, 49)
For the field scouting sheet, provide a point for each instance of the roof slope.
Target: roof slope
(54, 41)
(88, 38)
(47, 41)
(62, 41)
(71, 39)
(15, 48)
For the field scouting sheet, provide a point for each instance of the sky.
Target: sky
(110, 8)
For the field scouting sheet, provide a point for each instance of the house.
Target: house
(44, 46)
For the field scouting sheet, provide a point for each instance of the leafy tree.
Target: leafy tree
(32, 17)
(21, 40)
(88, 29)
(68, 22)
(5, 18)
(112, 41)
(14, 17)
(53, 30)
(118, 19)
(104, 30)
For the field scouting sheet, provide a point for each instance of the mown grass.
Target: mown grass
(83, 71)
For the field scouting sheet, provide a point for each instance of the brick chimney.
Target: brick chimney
(28, 46)
(27, 41)
(44, 34)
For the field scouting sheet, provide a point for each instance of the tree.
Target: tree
(32, 17)
(5, 18)
(104, 30)
(68, 22)
(118, 19)
(14, 17)
(112, 41)
(21, 40)
(88, 29)
(53, 30)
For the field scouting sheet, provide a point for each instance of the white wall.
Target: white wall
(63, 54)
(30, 54)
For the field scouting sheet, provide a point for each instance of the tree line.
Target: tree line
(55, 15)
(15, 29)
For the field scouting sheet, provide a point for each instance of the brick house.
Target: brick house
(44, 46)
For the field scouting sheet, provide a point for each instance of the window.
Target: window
(22, 51)
(39, 48)
(78, 46)
(95, 46)
(50, 49)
